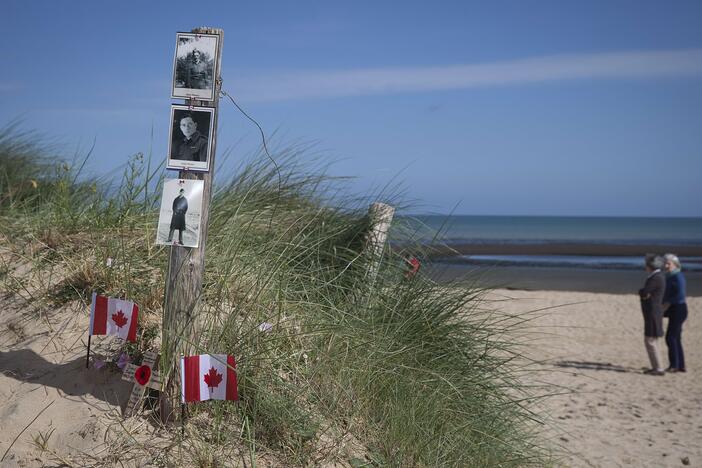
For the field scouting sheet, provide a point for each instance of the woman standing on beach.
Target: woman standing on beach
(676, 312)
(652, 308)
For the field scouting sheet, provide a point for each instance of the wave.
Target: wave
(601, 249)
(451, 241)
(564, 261)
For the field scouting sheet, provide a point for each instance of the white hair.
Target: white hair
(672, 258)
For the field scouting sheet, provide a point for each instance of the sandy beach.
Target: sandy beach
(609, 414)
(603, 412)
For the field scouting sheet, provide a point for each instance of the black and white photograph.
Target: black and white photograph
(190, 139)
(181, 208)
(195, 66)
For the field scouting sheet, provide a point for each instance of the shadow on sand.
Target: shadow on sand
(71, 378)
(600, 366)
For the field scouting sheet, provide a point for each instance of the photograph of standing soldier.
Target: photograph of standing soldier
(195, 66)
(196, 72)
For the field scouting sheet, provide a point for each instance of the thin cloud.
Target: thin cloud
(360, 82)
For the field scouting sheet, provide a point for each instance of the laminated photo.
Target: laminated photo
(190, 138)
(181, 209)
(195, 66)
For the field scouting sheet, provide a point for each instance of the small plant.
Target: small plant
(41, 439)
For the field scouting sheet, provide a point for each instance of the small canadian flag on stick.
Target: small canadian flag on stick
(208, 377)
(110, 316)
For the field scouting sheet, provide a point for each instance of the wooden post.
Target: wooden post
(380, 216)
(186, 268)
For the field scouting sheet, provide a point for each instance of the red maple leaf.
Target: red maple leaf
(119, 319)
(213, 378)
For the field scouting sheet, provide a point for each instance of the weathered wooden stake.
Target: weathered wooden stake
(380, 217)
(87, 356)
(186, 268)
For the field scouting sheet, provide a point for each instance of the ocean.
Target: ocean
(577, 247)
(557, 229)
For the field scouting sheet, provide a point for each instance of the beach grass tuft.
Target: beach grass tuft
(336, 363)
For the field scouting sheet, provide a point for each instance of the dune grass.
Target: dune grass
(333, 365)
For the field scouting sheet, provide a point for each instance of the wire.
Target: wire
(263, 137)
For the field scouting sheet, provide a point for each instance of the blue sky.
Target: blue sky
(528, 108)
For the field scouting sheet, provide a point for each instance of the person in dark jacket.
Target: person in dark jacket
(196, 71)
(180, 207)
(652, 308)
(676, 311)
(193, 145)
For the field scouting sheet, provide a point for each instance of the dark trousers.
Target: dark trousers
(677, 313)
(180, 235)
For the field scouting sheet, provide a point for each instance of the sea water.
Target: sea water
(465, 231)
(555, 229)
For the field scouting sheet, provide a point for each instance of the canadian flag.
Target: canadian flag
(208, 377)
(110, 316)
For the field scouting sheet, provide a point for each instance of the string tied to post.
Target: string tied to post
(181, 180)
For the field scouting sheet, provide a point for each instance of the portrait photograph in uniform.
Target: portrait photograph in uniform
(190, 138)
(195, 66)
(181, 208)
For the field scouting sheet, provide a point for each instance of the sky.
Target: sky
(581, 108)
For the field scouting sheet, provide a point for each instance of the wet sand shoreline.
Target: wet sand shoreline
(551, 278)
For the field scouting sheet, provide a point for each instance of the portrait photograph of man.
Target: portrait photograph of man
(179, 218)
(195, 66)
(190, 138)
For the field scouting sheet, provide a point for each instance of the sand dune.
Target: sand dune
(590, 346)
